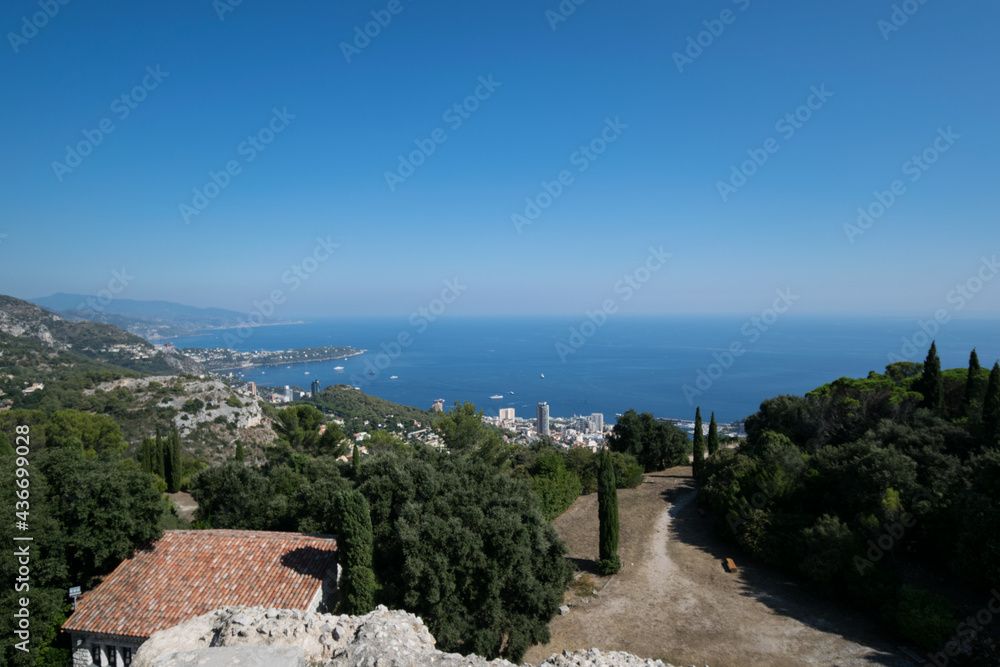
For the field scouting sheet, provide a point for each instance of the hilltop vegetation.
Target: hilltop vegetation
(350, 403)
(861, 478)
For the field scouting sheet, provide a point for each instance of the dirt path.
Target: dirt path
(673, 600)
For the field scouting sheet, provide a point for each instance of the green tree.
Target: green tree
(160, 461)
(463, 429)
(354, 549)
(462, 543)
(931, 383)
(355, 459)
(973, 388)
(713, 436)
(555, 485)
(991, 406)
(698, 447)
(173, 462)
(240, 456)
(607, 501)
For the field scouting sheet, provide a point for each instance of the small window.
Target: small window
(95, 654)
(112, 656)
(127, 656)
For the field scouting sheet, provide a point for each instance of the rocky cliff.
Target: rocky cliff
(279, 637)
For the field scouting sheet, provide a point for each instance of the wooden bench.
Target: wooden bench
(730, 565)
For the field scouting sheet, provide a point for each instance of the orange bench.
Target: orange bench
(731, 565)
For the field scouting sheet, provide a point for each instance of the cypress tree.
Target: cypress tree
(973, 388)
(699, 445)
(713, 436)
(355, 460)
(991, 406)
(240, 456)
(355, 543)
(607, 503)
(159, 464)
(146, 455)
(174, 461)
(932, 382)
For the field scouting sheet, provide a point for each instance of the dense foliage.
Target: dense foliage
(86, 509)
(656, 445)
(860, 477)
(459, 538)
(347, 402)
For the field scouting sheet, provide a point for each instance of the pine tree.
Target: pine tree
(174, 462)
(240, 455)
(607, 503)
(713, 436)
(699, 445)
(973, 389)
(355, 543)
(991, 407)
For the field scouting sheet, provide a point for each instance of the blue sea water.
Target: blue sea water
(643, 363)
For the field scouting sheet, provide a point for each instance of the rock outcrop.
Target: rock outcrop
(381, 638)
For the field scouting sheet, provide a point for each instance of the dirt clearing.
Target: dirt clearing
(674, 599)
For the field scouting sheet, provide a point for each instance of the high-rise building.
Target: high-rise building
(288, 393)
(316, 387)
(506, 414)
(542, 425)
(596, 422)
(252, 388)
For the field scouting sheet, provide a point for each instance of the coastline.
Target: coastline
(288, 363)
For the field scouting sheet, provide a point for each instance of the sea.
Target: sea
(666, 365)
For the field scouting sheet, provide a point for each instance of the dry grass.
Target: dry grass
(674, 600)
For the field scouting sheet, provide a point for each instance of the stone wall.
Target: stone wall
(383, 638)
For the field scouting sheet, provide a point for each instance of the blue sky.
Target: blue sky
(889, 95)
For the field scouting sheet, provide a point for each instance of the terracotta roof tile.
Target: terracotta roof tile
(187, 573)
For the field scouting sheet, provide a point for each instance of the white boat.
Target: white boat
(496, 396)
(339, 369)
(307, 373)
(393, 377)
(543, 376)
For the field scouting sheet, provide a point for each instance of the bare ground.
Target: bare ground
(185, 505)
(674, 600)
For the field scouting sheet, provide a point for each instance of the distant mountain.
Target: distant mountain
(34, 339)
(149, 319)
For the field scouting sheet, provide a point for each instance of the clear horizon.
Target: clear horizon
(666, 159)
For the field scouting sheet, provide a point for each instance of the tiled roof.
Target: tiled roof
(187, 573)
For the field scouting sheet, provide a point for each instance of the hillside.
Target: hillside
(102, 343)
(150, 319)
(350, 403)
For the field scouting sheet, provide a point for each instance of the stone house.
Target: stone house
(187, 573)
